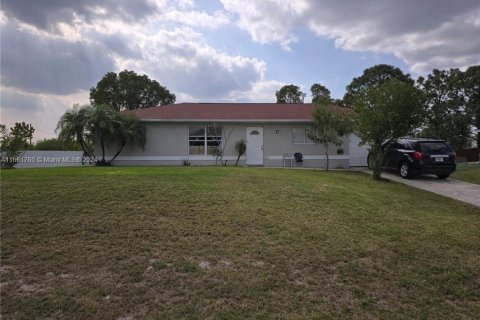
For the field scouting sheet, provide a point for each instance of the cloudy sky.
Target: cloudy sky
(53, 52)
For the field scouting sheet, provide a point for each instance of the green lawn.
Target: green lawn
(232, 243)
(467, 172)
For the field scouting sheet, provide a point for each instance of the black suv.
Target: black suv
(414, 156)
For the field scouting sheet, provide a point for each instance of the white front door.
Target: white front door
(254, 145)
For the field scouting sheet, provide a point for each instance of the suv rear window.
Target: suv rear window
(435, 147)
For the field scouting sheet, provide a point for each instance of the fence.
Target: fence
(470, 155)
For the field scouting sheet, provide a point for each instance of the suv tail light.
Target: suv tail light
(417, 155)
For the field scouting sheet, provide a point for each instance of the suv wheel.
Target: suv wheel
(405, 171)
(443, 176)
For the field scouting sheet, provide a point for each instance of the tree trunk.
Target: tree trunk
(326, 155)
(102, 145)
(118, 152)
(378, 159)
(82, 145)
(238, 159)
(478, 144)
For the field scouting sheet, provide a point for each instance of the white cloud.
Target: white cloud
(181, 60)
(196, 19)
(49, 61)
(424, 34)
(184, 4)
(268, 21)
(260, 91)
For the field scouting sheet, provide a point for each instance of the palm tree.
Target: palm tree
(104, 126)
(127, 128)
(73, 126)
(240, 147)
(101, 124)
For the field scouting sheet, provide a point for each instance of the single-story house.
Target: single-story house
(190, 131)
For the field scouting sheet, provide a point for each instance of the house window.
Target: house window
(300, 136)
(204, 140)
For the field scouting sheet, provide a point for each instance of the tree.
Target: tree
(23, 132)
(103, 125)
(240, 148)
(13, 141)
(10, 146)
(330, 125)
(320, 94)
(373, 77)
(221, 144)
(127, 129)
(471, 85)
(72, 126)
(387, 112)
(129, 91)
(446, 116)
(289, 94)
(100, 122)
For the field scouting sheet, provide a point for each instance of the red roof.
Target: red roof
(227, 112)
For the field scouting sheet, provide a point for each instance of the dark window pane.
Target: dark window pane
(435, 147)
(197, 146)
(213, 143)
(214, 131)
(212, 146)
(196, 131)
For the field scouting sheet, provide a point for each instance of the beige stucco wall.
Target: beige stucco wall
(167, 143)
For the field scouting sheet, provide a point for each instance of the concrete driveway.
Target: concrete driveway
(455, 189)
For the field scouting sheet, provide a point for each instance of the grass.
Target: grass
(232, 243)
(469, 172)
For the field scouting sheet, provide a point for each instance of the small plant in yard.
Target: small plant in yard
(240, 148)
(186, 267)
(159, 265)
(221, 144)
(330, 126)
(186, 162)
(135, 276)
